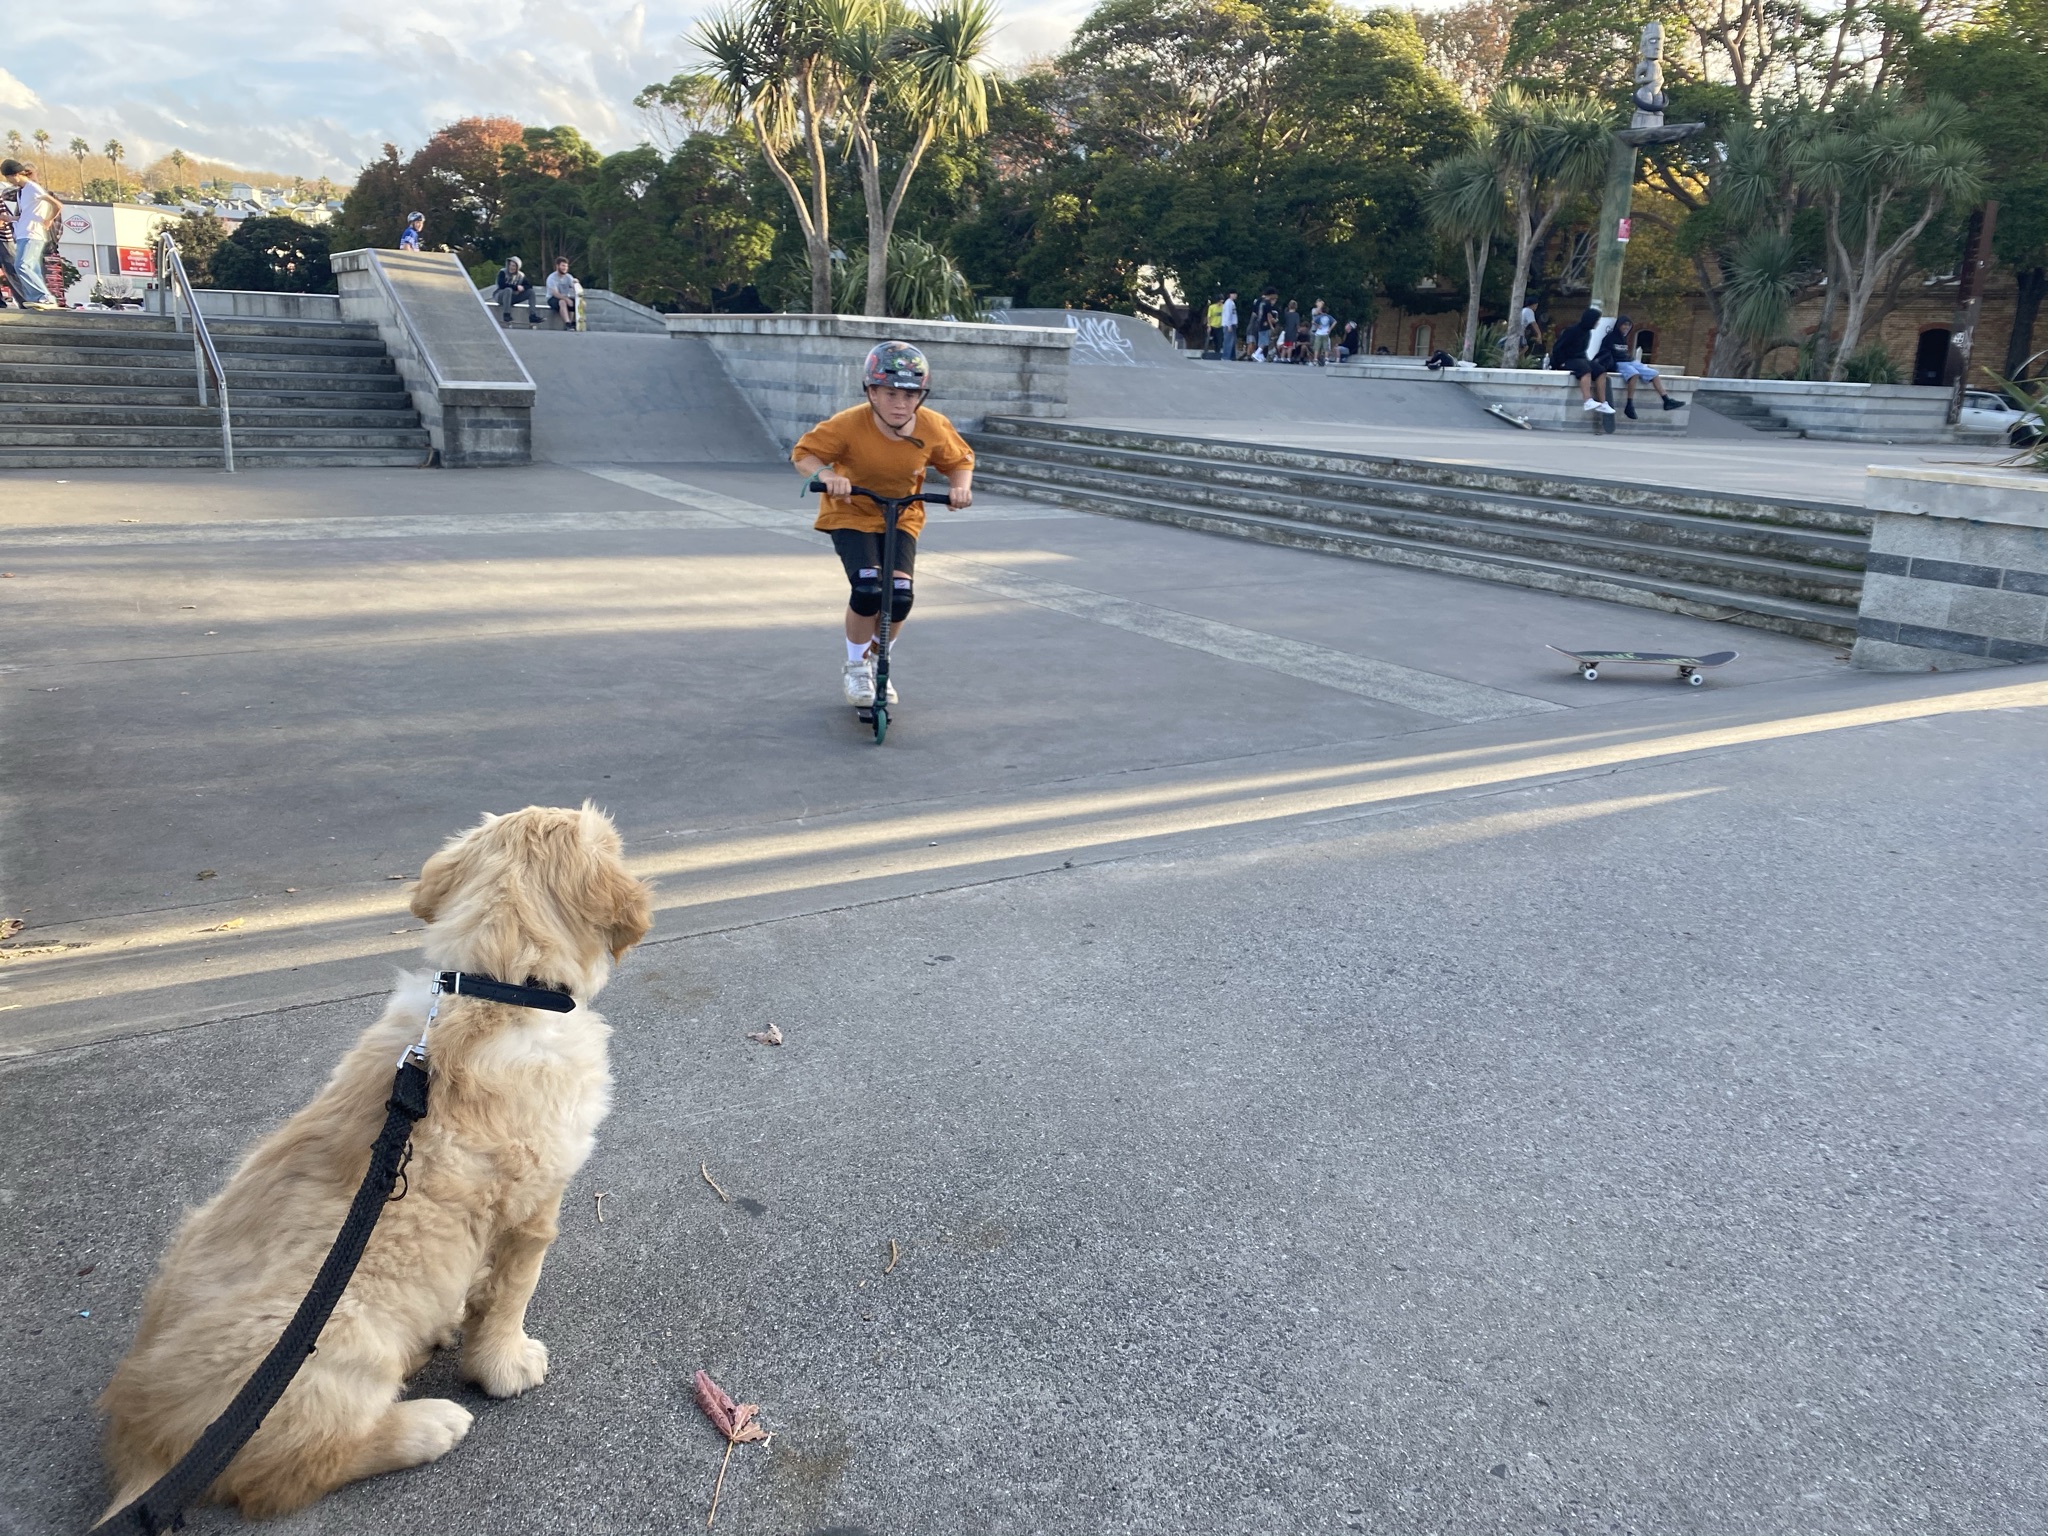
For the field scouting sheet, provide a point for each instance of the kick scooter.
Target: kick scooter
(877, 713)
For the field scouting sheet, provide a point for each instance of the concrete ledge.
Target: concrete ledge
(1547, 399)
(795, 370)
(245, 304)
(1957, 575)
(472, 392)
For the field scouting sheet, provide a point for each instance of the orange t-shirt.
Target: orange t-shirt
(852, 444)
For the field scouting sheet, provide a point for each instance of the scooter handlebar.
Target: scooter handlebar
(943, 498)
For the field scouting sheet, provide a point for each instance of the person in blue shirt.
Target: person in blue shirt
(414, 223)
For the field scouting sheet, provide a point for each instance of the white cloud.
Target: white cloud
(315, 90)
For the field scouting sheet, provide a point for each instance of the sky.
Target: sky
(317, 89)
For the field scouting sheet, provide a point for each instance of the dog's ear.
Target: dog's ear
(438, 876)
(630, 909)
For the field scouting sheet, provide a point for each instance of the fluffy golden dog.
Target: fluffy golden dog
(515, 1100)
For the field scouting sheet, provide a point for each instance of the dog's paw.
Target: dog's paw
(431, 1427)
(517, 1367)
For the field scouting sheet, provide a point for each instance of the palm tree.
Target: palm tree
(1465, 203)
(1550, 149)
(79, 150)
(42, 138)
(932, 68)
(114, 150)
(178, 170)
(14, 141)
(773, 68)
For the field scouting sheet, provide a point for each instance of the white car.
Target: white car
(1985, 412)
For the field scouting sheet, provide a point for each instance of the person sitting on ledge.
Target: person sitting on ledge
(515, 288)
(1629, 365)
(1574, 352)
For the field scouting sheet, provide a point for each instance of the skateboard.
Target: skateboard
(1689, 668)
(1509, 417)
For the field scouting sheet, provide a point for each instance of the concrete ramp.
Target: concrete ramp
(1103, 339)
(614, 398)
(1242, 395)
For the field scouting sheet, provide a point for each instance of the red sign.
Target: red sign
(140, 263)
(1621, 232)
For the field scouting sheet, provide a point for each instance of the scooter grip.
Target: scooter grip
(818, 486)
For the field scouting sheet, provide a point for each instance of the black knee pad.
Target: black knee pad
(867, 594)
(899, 606)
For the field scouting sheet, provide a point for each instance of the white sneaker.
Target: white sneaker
(1603, 407)
(1591, 404)
(890, 696)
(859, 683)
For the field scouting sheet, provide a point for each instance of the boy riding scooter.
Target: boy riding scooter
(885, 447)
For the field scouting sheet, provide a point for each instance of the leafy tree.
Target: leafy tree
(455, 179)
(777, 69)
(680, 233)
(198, 236)
(1881, 173)
(548, 179)
(1468, 44)
(1180, 146)
(273, 255)
(1996, 69)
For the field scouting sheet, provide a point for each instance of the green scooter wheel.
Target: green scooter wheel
(881, 722)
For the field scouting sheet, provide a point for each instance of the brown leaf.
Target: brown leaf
(10, 926)
(739, 1422)
(772, 1035)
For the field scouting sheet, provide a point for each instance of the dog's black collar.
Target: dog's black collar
(532, 995)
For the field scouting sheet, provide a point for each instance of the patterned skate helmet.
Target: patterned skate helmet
(896, 365)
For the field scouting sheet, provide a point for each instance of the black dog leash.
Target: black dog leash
(162, 1508)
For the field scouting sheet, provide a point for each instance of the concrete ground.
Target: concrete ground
(1328, 408)
(1321, 1065)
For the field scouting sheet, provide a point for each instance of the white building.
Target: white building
(113, 245)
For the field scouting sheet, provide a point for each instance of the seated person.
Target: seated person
(514, 289)
(1578, 352)
(562, 293)
(1629, 365)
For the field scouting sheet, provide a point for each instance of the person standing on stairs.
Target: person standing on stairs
(35, 213)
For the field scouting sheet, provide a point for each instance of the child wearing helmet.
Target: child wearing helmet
(884, 446)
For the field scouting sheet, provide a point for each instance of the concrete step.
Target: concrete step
(1828, 517)
(1746, 410)
(159, 413)
(339, 343)
(31, 355)
(192, 458)
(104, 323)
(177, 377)
(198, 437)
(391, 396)
(1606, 550)
(1678, 530)
(1814, 621)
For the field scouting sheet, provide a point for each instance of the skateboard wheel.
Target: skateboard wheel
(1591, 674)
(1695, 678)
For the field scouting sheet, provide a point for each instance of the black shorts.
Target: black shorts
(1582, 367)
(859, 550)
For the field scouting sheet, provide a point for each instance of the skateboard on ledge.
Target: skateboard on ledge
(1690, 668)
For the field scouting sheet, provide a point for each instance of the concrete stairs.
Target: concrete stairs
(1787, 566)
(1746, 409)
(80, 389)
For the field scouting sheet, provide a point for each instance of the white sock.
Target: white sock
(856, 650)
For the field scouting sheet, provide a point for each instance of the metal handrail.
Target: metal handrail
(170, 266)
